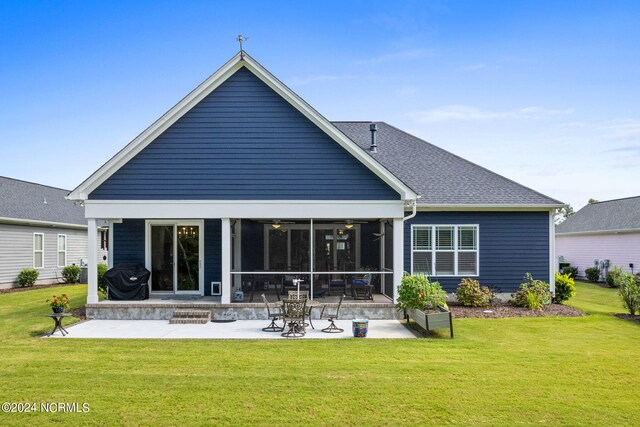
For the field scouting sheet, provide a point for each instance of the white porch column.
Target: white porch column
(92, 255)
(237, 253)
(226, 261)
(398, 255)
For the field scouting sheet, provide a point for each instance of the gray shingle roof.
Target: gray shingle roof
(26, 201)
(440, 177)
(612, 215)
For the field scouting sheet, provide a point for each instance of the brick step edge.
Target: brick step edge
(192, 313)
(188, 321)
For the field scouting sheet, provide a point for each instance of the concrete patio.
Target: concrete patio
(240, 329)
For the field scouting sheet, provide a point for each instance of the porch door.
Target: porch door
(175, 253)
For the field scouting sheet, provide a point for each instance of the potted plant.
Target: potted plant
(59, 304)
(425, 302)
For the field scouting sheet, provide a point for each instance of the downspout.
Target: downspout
(414, 204)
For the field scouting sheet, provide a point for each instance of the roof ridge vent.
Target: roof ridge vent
(373, 127)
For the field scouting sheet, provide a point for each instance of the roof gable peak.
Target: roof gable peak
(238, 61)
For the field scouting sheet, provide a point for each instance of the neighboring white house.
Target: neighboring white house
(607, 230)
(40, 229)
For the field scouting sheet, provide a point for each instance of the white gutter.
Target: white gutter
(414, 204)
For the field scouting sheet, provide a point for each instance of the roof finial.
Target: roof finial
(240, 38)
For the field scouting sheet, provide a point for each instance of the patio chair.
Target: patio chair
(330, 312)
(362, 288)
(274, 312)
(337, 283)
(304, 295)
(293, 312)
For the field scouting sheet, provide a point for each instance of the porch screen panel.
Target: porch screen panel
(323, 254)
(299, 250)
(346, 249)
(278, 249)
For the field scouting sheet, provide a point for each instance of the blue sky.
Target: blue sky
(545, 93)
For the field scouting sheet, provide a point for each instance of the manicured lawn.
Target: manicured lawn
(549, 371)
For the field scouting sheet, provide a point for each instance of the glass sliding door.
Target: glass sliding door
(174, 257)
(188, 260)
(162, 258)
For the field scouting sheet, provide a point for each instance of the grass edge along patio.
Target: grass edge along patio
(243, 182)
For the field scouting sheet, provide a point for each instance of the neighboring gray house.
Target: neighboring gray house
(40, 229)
(608, 230)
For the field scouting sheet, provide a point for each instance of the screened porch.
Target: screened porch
(325, 258)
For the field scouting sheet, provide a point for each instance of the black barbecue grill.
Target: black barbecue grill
(127, 282)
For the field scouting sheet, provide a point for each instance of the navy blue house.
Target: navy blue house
(242, 185)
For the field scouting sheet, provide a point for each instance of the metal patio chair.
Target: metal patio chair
(330, 312)
(274, 312)
(293, 311)
(305, 296)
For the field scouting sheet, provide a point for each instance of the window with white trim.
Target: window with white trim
(38, 250)
(62, 250)
(444, 250)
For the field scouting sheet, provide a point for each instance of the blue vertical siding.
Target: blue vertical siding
(244, 142)
(510, 243)
(128, 242)
(212, 253)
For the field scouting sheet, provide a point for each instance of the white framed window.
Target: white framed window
(38, 250)
(62, 250)
(445, 250)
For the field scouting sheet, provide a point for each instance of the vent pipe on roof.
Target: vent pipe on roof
(374, 146)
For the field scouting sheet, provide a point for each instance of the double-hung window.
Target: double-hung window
(62, 250)
(445, 250)
(38, 250)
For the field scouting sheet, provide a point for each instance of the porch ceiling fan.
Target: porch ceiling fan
(276, 223)
(349, 223)
(377, 236)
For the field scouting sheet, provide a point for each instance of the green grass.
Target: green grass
(557, 371)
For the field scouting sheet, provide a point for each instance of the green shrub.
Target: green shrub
(629, 290)
(471, 294)
(532, 301)
(565, 288)
(612, 276)
(592, 273)
(102, 285)
(571, 271)
(28, 277)
(533, 294)
(417, 292)
(71, 273)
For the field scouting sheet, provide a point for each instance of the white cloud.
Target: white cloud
(404, 55)
(305, 80)
(479, 67)
(469, 113)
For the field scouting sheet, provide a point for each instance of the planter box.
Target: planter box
(431, 321)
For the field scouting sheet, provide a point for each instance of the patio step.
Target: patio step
(191, 317)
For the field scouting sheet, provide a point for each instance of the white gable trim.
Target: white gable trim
(205, 88)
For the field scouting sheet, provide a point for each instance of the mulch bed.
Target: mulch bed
(509, 310)
(32, 288)
(80, 313)
(632, 317)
